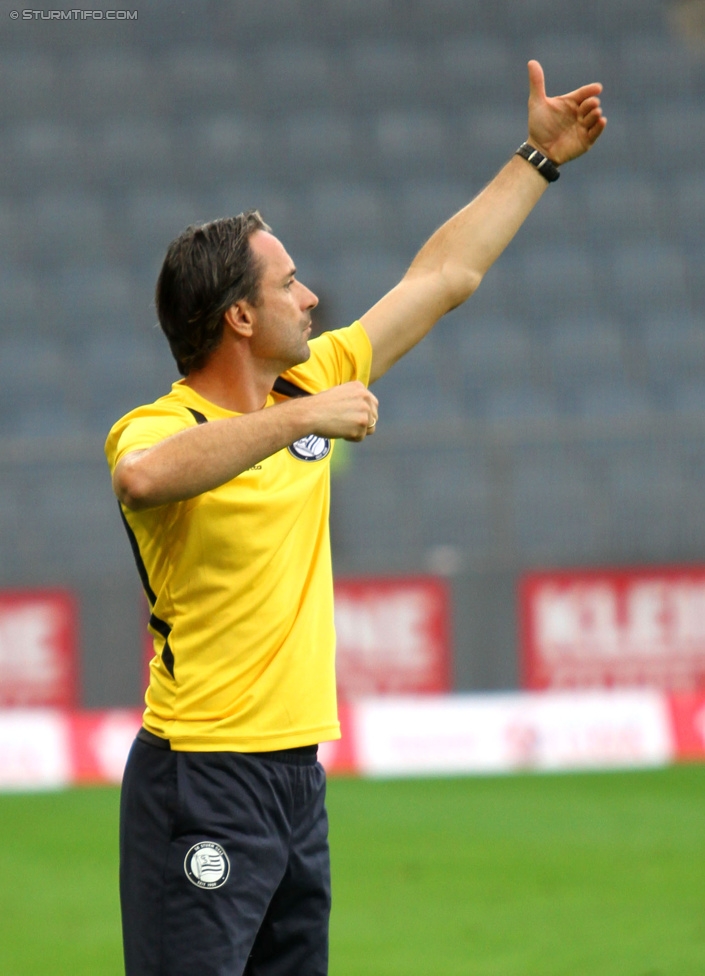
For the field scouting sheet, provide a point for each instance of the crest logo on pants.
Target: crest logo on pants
(207, 865)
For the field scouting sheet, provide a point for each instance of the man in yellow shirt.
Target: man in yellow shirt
(224, 492)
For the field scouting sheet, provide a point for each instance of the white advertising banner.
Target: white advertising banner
(505, 732)
(439, 735)
(34, 750)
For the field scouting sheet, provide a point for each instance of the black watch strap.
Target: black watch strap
(546, 167)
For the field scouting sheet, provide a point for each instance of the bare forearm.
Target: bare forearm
(465, 247)
(201, 458)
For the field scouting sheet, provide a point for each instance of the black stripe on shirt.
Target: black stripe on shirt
(161, 626)
(198, 416)
(288, 389)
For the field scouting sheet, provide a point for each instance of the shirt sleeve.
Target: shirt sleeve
(336, 357)
(139, 431)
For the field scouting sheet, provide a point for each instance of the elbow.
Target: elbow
(459, 285)
(131, 487)
(449, 284)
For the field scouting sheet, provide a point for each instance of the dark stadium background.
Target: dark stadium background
(558, 419)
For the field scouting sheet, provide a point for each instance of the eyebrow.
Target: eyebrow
(290, 273)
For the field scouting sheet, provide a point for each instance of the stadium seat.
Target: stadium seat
(653, 64)
(424, 205)
(623, 207)
(36, 397)
(10, 231)
(292, 71)
(152, 219)
(129, 149)
(648, 496)
(384, 71)
(11, 528)
(86, 532)
(470, 66)
(346, 214)
(372, 492)
(26, 76)
(359, 278)
(689, 397)
(82, 299)
(318, 142)
(490, 136)
(199, 80)
(245, 21)
(681, 124)
(556, 218)
(450, 18)
(419, 390)
(42, 152)
(123, 369)
(687, 207)
(584, 348)
(60, 228)
(557, 508)
(648, 276)
(604, 400)
(674, 346)
(50, 419)
(411, 143)
(491, 349)
(558, 281)
(519, 402)
(621, 19)
(117, 83)
(453, 493)
(227, 139)
(20, 298)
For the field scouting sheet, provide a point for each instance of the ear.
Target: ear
(240, 318)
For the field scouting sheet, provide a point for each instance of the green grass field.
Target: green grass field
(577, 875)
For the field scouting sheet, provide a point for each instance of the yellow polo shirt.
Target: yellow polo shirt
(239, 579)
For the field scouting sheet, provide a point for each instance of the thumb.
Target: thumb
(537, 86)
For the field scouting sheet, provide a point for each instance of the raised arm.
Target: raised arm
(452, 263)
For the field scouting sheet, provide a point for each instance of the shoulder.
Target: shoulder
(147, 425)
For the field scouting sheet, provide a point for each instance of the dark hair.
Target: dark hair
(206, 270)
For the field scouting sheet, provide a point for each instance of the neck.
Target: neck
(233, 382)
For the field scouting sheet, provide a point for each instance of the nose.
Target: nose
(308, 299)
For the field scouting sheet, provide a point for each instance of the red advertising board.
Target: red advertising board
(687, 711)
(393, 636)
(38, 648)
(595, 628)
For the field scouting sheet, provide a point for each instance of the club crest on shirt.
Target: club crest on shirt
(311, 448)
(206, 865)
